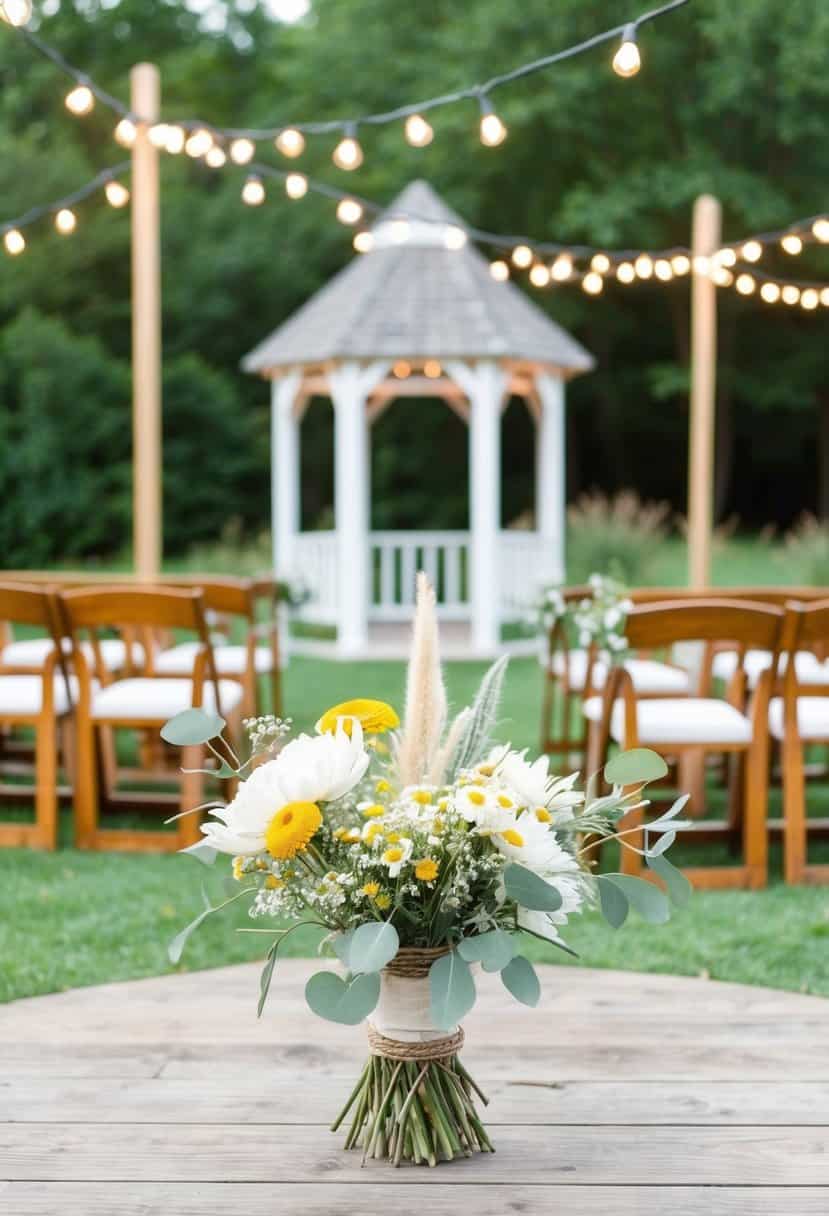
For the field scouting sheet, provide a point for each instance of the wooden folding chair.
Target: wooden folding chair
(696, 725)
(796, 719)
(41, 700)
(142, 702)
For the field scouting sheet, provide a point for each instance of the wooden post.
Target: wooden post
(551, 477)
(146, 327)
(705, 242)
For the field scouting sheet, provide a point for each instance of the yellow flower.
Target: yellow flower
(505, 801)
(352, 836)
(371, 889)
(238, 862)
(273, 883)
(374, 716)
(512, 837)
(382, 786)
(374, 811)
(422, 797)
(393, 837)
(543, 815)
(393, 855)
(486, 770)
(426, 870)
(383, 902)
(371, 832)
(291, 828)
(476, 797)
(437, 825)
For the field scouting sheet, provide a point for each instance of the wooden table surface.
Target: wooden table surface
(619, 1094)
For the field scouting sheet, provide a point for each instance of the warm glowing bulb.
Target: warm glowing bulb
(600, 262)
(722, 276)
(349, 211)
(216, 157)
(824, 297)
(348, 154)
(751, 251)
(663, 270)
(701, 264)
(627, 60)
(770, 292)
(15, 242)
(253, 192)
(116, 194)
(820, 231)
(402, 369)
(242, 151)
(16, 12)
(625, 272)
(399, 231)
(176, 140)
(499, 270)
(791, 243)
(592, 283)
(680, 264)
(562, 268)
(643, 266)
(199, 143)
(726, 257)
(158, 135)
(454, 237)
(296, 185)
(363, 242)
(80, 100)
(419, 132)
(522, 256)
(790, 294)
(432, 370)
(539, 275)
(809, 299)
(745, 284)
(66, 221)
(126, 132)
(290, 142)
(493, 131)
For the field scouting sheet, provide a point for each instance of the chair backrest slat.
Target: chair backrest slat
(745, 623)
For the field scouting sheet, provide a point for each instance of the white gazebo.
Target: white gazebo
(418, 315)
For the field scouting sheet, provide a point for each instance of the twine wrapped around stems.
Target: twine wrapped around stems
(413, 962)
(432, 1049)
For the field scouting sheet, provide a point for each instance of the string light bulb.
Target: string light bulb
(643, 266)
(66, 221)
(176, 140)
(253, 191)
(663, 270)
(820, 230)
(680, 264)
(348, 154)
(432, 370)
(791, 243)
(562, 268)
(770, 292)
(363, 242)
(745, 284)
(627, 60)
(592, 283)
(722, 276)
(726, 257)
(296, 185)
(539, 275)
(216, 157)
(349, 211)
(522, 256)
(809, 299)
(16, 12)
(824, 297)
(117, 195)
(625, 272)
(454, 237)
(80, 100)
(157, 135)
(600, 262)
(751, 251)
(15, 241)
(290, 142)
(499, 270)
(126, 132)
(790, 294)
(419, 132)
(199, 143)
(242, 151)
(493, 131)
(402, 369)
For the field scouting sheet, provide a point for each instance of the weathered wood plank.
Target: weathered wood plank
(516, 1099)
(404, 1199)
(662, 1156)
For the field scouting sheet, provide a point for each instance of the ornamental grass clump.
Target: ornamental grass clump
(426, 850)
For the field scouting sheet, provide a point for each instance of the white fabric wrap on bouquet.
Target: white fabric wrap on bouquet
(403, 1011)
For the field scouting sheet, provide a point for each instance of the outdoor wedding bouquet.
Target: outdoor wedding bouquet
(425, 851)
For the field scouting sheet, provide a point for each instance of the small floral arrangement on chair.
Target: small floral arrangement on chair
(597, 620)
(425, 852)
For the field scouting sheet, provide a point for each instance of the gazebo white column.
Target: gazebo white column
(484, 384)
(284, 472)
(551, 474)
(349, 386)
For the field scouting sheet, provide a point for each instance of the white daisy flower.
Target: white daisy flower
(396, 855)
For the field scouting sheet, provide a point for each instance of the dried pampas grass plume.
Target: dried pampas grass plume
(425, 715)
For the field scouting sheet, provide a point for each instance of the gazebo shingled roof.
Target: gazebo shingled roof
(418, 300)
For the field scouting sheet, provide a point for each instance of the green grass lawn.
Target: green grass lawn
(73, 918)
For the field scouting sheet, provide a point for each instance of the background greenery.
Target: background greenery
(731, 99)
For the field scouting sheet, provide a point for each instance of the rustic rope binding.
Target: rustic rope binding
(413, 962)
(433, 1049)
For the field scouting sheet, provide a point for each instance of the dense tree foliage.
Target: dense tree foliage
(732, 99)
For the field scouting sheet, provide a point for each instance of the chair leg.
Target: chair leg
(691, 779)
(46, 778)
(191, 795)
(755, 826)
(794, 812)
(86, 783)
(66, 732)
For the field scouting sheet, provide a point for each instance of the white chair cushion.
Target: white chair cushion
(649, 676)
(157, 700)
(24, 694)
(684, 720)
(812, 717)
(230, 660)
(809, 668)
(34, 651)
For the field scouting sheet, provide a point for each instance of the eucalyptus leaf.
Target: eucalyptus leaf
(176, 946)
(645, 897)
(678, 887)
(345, 1001)
(520, 979)
(635, 767)
(530, 891)
(192, 726)
(373, 945)
(202, 851)
(451, 990)
(266, 976)
(492, 950)
(613, 902)
(662, 845)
